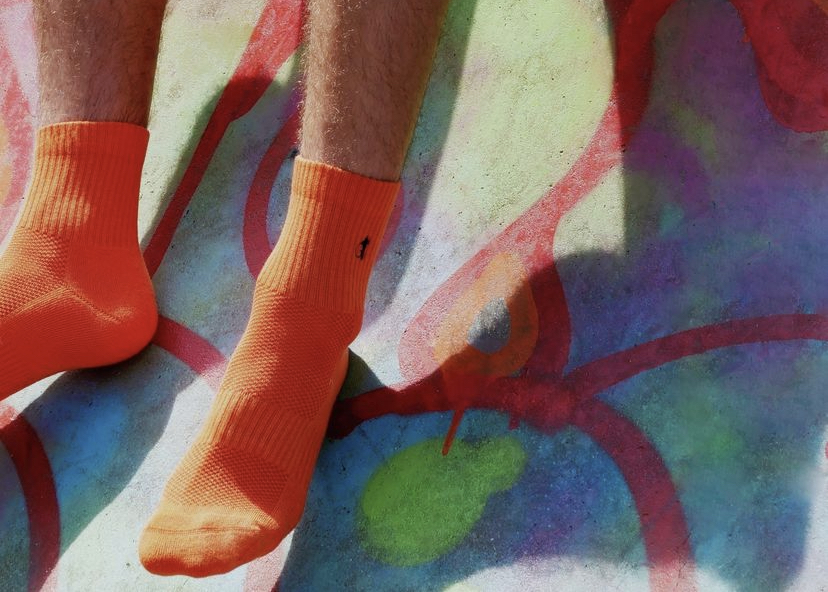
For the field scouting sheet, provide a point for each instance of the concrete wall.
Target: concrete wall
(594, 354)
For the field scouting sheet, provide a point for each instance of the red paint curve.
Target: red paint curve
(192, 349)
(275, 37)
(788, 38)
(550, 404)
(595, 377)
(663, 525)
(254, 233)
(40, 494)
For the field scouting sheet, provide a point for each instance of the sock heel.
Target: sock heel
(118, 290)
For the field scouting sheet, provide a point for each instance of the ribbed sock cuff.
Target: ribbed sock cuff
(87, 176)
(331, 237)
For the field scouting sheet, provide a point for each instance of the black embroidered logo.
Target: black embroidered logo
(362, 246)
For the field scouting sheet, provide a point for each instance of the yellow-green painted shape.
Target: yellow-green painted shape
(421, 504)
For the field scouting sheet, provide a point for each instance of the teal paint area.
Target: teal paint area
(740, 442)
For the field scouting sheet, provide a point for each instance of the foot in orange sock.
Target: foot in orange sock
(242, 486)
(74, 290)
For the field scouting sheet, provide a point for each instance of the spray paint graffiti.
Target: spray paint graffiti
(500, 336)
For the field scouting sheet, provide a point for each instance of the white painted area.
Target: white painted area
(813, 577)
(567, 574)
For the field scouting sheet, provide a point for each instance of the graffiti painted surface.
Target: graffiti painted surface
(594, 354)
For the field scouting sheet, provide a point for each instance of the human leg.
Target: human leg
(96, 59)
(242, 486)
(74, 291)
(367, 70)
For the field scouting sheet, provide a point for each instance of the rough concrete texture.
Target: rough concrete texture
(594, 354)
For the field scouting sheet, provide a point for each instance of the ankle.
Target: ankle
(86, 182)
(331, 236)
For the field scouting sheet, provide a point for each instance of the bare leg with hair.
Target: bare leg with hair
(366, 72)
(97, 59)
(74, 291)
(242, 486)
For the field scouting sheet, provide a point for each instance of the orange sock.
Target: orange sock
(74, 291)
(241, 488)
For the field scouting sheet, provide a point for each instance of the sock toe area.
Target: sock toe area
(211, 541)
(213, 516)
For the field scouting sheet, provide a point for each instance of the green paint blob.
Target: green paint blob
(421, 504)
